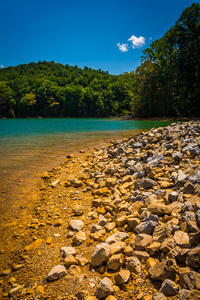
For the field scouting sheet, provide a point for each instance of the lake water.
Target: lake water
(29, 147)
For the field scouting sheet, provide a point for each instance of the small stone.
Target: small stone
(173, 196)
(105, 288)
(189, 188)
(49, 240)
(101, 254)
(58, 222)
(133, 264)
(76, 225)
(56, 273)
(122, 277)
(74, 270)
(119, 236)
(115, 262)
(142, 240)
(189, 279)
(193, 258)
(70, 260)
(65, 251)
(164, 270)
(34, 245)
(169, 288)
(79, 238)
(146, 227)
(78, 210)
(159, 296)
(159, 209)
(182, 239)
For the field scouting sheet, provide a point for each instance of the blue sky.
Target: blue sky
(101, 34)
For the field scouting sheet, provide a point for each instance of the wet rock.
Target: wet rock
(105, 288)
(56, 273)
(100, 255)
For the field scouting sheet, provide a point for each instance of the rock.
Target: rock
(102, 220)
(167, 245)
(76, 225)
(136, 207)
(142, 240)
(181, 176)
(164, 270)
(146, 227)
(14, 290)
(117, 247)
(195, 238)
(105, 288)
(74, 270)
(122, 277)
(95, 228)
(182, 239)
(56, 273)
(115, 262)
(193, 258)
(133, 264)
(142, 255)
(100, 255)
(58, 222)
(55, 183)
(177, 156)
(78, 210)
(159, 209)
(119, 236)
(34, 245)
(189, 188)
(147, 183)
(161, 233)
(159, 296)
(65, 251)
(173, 196)
(82, 295)
(109, 298)
(153, 248)
(169, 288)
(189, 279)
(70, 260)
(79, 238)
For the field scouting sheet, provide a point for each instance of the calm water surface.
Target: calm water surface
(29, 147)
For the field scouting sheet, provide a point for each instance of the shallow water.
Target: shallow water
(29, 147)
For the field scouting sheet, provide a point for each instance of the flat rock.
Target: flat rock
(159, 209)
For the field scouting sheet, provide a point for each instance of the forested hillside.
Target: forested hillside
(167, 83)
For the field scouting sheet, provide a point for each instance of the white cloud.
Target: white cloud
(123, 47)
(2, 66)
(137, 42)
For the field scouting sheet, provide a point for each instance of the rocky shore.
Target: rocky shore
(118, 222)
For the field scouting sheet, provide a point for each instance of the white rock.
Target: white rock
(76, 225)
(65, 251)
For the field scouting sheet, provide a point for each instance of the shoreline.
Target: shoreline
(98, 183)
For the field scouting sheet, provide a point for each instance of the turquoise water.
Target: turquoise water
(29, 147)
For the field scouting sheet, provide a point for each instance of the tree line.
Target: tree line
(167, 83)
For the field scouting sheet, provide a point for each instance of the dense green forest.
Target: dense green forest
(167, 83)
